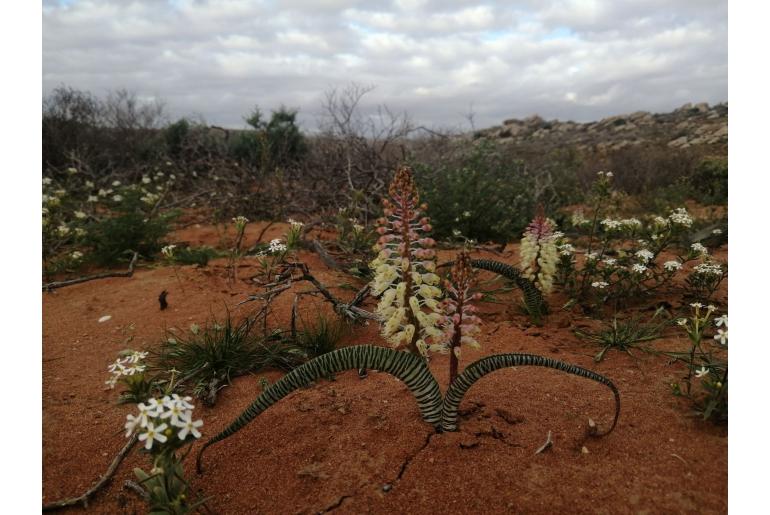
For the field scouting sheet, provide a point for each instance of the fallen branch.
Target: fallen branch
(83, 499)
(104, 275)
(325, 256)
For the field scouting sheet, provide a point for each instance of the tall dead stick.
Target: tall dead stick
(104, 275)
(83, 499)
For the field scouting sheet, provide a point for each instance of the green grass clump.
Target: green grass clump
(207, 359)
(624, 334)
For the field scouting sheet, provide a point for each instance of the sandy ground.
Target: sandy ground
(360, 446)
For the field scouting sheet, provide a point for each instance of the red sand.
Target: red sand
(337, 445)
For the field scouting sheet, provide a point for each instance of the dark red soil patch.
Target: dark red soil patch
(359, 446)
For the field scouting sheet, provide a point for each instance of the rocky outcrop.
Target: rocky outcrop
(690, 125)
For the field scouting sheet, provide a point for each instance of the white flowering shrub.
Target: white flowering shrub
(164, 426)
(621, 257)
(130, 370)
(705, 383)
(84, 222)
(404, 271)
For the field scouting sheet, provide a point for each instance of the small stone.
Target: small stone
(584, 450)
(386, 487)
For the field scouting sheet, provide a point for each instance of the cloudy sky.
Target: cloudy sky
(435, 59)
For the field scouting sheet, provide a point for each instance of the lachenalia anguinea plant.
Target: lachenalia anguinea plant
(538, 252)
(462, 324)
(405, 278)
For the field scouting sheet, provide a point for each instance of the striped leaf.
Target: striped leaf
(484, 366)
(533, 298)
(409, 368)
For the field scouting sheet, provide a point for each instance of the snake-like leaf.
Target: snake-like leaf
(533, 298)
(409, 368)
(484, 366)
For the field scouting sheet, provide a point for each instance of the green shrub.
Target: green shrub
(710, 180)
(483, 196)
(131, 227)
(194, 255)
(320, 337)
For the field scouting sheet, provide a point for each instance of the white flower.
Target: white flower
(145, 413)
(631, 222)
(599, 284)
(190, 427)
(358, 228)
(699, 249)
(639, 269)
(681, 217)
(720, 321)
(681, 321)
(89, 184)
(116, 183)
(72, 171)
(80, 215)
(93, 198)
(240, 221)
(457, 233)
(645, 255)
(672, 266)
(721, 336)
(716, 231)
(592, 256)
(708, 269)
(609, 261)
(168, 251)
(609, 175)
(131, 423)
(466, 214)
(184, 402)
(47, 181)
(76, 255)
(153, 433)
(175, 411)
(610, 224)
(146, 180)
(63, 230)
(702, 372)
(117, 198)
(80, 232)
(566, 249)
(276, 246)
(696, 305)
(711, 308)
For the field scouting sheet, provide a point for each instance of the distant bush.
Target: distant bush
(194, 255)
(710, 180)
(483, 196)
(273, 143)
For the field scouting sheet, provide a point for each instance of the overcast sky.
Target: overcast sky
(435, 59)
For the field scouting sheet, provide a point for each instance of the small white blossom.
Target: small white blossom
(115, 183)
(699, 249)
(716, 231)
(645, 255)
(76, 255)
(153, 433)
(599, 284)
(566, 249)
(681, 321)
(610, 224)
(610, 261)
(708, 269)
(47, 181)
(696, 305)
(672, 266)
(720, 321)
(638, 268)
(93, 198)
(168, 251)
(702, 372)
(276, 246)
(80, 215)
(117, 198)
(190, 427)
(681, 217)
(721, 336)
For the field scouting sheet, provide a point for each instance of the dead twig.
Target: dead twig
(104, 275)
(547, 445)
(137, 489)
(83, 499)
(325, 256)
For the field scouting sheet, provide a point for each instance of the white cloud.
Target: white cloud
(433, 58)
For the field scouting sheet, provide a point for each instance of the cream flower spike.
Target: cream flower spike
(404, 270)
(539, 253)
